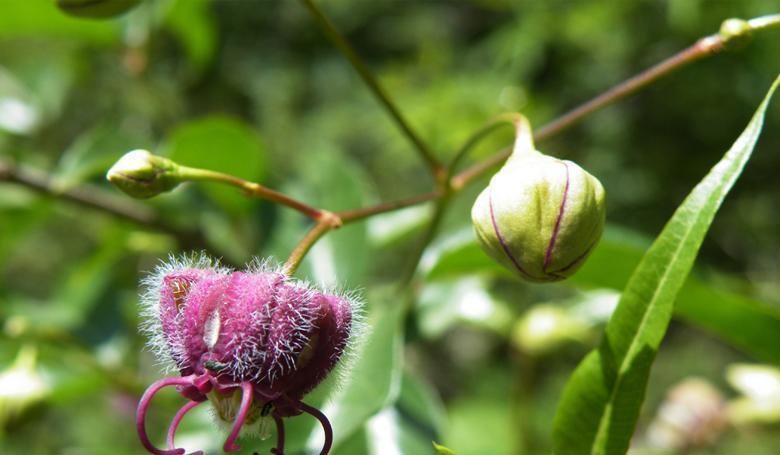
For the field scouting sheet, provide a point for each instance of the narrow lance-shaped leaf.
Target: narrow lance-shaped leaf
(601, 402)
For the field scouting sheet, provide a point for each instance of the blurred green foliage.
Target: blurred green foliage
(251, 87)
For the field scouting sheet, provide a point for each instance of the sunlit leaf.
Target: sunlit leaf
(374, 380)
(42, 18)
(442, 450)
(223, 144)
(341, 258)
(92, 153)
(748, 324)
(444, 303)
(600, 404)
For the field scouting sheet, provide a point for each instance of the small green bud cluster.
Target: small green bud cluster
(539, 216)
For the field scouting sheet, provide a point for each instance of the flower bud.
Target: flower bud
(539, 216)
(143, 175)
(98, 9)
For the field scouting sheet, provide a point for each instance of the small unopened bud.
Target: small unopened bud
(98, 9)
(143, 175)
(539, 216)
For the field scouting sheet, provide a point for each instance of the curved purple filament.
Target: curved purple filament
(243, 411)
(177, 420)
(326, 428)
(279, 450)
(143, 406)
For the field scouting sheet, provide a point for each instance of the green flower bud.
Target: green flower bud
(143, 175)
(539, 216)
(98, 9)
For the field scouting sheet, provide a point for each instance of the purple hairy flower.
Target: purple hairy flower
(252, 343)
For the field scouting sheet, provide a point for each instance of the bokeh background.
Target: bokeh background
(253, 88)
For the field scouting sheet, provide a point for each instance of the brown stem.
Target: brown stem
(95, 198)
(341, 43)
(702, 48)
(349, 216)
(250, 188)
(327, 222)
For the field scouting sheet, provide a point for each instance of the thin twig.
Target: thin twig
(349, 216)
(338, 40)
(702, 48)
(250, 188)
(97, 199)
(329, 221)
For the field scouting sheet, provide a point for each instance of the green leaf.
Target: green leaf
(420, 404)
(441, 450)
(224, 144)
(374, 380)
(746, 323)
(480, 420)
(458, 254)
(600, 404)
(335, 183)
(405, 427)
(92, 153)
(193, 24)
(42, 18)
(79, 290)
(466, 300)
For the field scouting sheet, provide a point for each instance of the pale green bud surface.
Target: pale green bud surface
(142, 175)
(539, 216)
